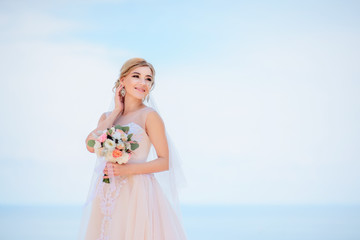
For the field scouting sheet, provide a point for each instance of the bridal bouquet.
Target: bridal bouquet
(114, 144)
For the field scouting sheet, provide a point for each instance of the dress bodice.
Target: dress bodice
(136, 123)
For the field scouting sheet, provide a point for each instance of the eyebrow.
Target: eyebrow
(140, 74)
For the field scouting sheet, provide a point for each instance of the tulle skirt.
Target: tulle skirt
(140, 211)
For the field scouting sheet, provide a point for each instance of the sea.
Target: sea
(225, 222)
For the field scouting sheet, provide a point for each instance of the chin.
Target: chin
(138, 96)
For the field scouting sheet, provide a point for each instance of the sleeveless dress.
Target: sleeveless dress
(137, 209)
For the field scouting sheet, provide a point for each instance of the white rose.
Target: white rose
(109, 144)
(109, 157)
(124, 158)
(97, 145)
(117, 135)
(121, 135)
(100, 152)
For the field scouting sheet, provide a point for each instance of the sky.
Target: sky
(260, 97)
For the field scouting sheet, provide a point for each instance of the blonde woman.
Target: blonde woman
(141, 201)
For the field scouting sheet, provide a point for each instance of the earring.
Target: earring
(147, 98)
(122, 92)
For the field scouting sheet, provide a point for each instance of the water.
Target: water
(273, 222)
(248, 222)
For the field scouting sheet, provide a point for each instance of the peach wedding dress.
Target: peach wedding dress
(137, 208)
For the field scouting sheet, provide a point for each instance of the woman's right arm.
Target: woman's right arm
(104, 123)
(107, 122)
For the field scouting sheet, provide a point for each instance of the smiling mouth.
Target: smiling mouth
(140, 90)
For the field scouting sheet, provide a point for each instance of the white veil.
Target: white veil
(173, 179)
(170, 181)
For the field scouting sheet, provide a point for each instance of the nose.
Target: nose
(143, 82)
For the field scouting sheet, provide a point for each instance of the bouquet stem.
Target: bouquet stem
(106, 180)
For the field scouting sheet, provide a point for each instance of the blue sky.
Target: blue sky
(261, 97)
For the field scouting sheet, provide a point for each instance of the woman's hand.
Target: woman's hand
(119, 100)
(118, 169)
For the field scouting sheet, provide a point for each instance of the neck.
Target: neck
(132, 104)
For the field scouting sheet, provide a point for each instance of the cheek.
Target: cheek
(150, 84)
(131, 83)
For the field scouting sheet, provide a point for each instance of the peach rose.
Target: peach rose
(120, 145)
(124, 158)
(119, 130)
(116, 153)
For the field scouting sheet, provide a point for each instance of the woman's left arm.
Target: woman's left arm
(155, 128)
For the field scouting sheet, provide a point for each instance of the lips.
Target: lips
(140, 89)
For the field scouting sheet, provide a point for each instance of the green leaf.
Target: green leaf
(91, 143)
(123, 128)
(129, 137)
(134, 146)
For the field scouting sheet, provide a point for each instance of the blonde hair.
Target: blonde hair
(131, 64)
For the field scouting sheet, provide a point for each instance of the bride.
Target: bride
(140, 201)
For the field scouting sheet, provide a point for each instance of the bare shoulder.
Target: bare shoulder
(154, 120)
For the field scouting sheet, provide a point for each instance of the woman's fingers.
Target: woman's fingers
(112, 166)
(118, 90)
(107, 176)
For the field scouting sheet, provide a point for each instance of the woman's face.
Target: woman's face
(138, 82)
